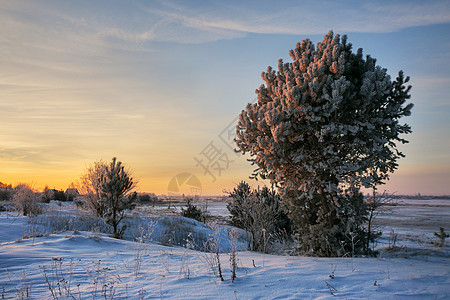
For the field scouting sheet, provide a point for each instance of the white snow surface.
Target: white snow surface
(81, 263)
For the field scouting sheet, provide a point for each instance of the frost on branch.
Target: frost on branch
(325, 125)
(116, 185)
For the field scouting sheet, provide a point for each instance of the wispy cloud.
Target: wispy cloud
(16, 153)
(138, 22)
(81, 80)
(210, 21)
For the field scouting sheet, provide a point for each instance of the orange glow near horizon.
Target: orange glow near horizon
(80, 83)
(401, 183)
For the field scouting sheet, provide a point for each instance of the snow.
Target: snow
(94, 265)
(12, 226)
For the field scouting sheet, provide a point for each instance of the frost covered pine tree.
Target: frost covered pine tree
(324, 126)
(116, 185)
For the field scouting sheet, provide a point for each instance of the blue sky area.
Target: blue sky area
(155, 82)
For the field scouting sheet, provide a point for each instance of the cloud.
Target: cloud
(94, 24)
(15, 153)
(187, 23)
(83, 79)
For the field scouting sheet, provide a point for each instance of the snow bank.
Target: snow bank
(100, 265)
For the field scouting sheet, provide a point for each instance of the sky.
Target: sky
(159, 84)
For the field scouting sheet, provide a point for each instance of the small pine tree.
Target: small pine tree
(192, 211)
(116, 185)
(239, 207)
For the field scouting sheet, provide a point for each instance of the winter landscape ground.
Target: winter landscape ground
(66, 253)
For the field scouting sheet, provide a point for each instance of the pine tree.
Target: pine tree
(192, 211)
(116, 185)
(240, 207)
(324, 126)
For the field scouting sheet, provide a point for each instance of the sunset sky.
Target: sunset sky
(157, 83)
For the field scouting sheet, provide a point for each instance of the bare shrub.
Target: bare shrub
(376, 205)
(260, 212)
(22, 287)
(57, 221)
(59, 279)
(211, 248)
(184, 267)
(141, 246)
(103, 281)
(89, 187)
(233, 235)
(26, 200)
(176, 231)
(442, 236)
(392, 240)
(331, 288)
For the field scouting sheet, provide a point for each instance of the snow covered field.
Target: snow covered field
(80, 261)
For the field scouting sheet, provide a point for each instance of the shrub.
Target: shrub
(442, 236)
(59, 195)
(147, 198)
(261, 213)
(192, 211)
(5, 194)
(26, 201)
(46, 195)
(53, 194)
(5, 191)
(71, 193)
(89, 187)
(375, 205)
(344, 235)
